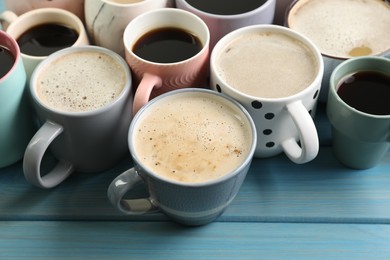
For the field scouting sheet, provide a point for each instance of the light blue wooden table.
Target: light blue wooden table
(320, 210)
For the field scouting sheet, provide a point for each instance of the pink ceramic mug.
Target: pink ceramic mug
(156, 78)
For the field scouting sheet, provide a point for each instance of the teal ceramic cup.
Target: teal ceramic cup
(360, 140)
(16, 125)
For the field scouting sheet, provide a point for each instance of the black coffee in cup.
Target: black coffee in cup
(44, 39)
(366, 91)
(167, 45)
(7, 60)
(226, 7)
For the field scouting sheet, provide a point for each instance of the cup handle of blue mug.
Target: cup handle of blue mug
(123, 184)
(6, 18)
(34, 154)
(145, 87)
(309, 144)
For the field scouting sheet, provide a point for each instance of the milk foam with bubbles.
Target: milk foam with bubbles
(344, 28)
(81, 81)
(267, 65)
(192, 138)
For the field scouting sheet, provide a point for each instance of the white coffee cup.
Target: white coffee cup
(271, 57)
(107, 19)
(342, 30)
(17, 25)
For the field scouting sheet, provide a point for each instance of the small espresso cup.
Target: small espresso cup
(342, 29)
(40, 32)
(275, 73)
(82, 96)
(358, 109)
(223, 17)
(16, 125)
(107, 19)
(22, 6)
(192, 149)
(158, 66)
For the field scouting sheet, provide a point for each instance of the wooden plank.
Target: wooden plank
(164, 240)
(275, 190)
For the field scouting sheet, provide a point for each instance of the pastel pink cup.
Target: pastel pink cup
(154, 78)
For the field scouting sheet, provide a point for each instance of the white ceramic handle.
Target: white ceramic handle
(6, 18)
(120, 186)
(34, 154)
(309, 144)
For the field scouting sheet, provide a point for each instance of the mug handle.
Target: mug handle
(120, 186)
(34, 154)
(142, 95)
(309, 144)
(6, 18)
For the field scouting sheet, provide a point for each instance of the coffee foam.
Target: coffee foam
(81, 81)
(267, 65)
(344, 28)
(192, 138)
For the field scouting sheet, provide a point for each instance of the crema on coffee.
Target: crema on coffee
(267, 64)
(344, 28)
(80, 81)
(192, 137)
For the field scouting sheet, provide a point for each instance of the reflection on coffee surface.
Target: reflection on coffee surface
(226, 7)
(344, 28)
(80, 81)
(7, 61)
(44, 39)
(267, 65)
(192, 138)
(367, 92)
(167, 45)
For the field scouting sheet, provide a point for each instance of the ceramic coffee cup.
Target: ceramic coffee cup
(82, 96)
(166, 67)
(107, 19)
(38, 36)
(22, 6)
(195, 181)
(275, 73)
(223, 17)
(342, 29)
(16, 124)
(359, 111)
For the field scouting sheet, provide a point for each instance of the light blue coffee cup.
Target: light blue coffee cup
(360, 140)
(16, 124)
(188, 203)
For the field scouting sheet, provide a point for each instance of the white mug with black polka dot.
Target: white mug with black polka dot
(275, 73)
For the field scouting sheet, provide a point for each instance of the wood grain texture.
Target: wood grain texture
(165, 240)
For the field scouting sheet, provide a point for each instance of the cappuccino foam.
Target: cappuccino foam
(344, 28)
(267, 65)
(192, 138)
(81, 81)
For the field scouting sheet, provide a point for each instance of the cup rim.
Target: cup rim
(41, 12)
(246, 162)
(8, 38)
(334, 85)
(168, 11)
(266, 27)
(75, 49)
(260, 8)
(286, 23)
(140, 3)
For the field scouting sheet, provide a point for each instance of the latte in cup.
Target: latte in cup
(267, 64)
(80, 81)
(192, 138)
(343, 28)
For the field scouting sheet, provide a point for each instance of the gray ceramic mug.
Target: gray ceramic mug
(183, 169)
(360, 139)
(88, 137)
